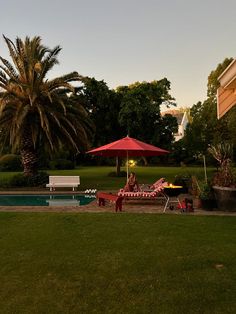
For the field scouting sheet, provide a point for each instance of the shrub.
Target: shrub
(206, 192)
(39, 180)
(10, 162)
(61, 164)
(20, 180)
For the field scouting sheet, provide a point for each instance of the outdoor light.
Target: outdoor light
(131, 163)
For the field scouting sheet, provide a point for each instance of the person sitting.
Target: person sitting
(132, 184)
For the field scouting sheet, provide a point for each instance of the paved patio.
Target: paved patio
(129, 206)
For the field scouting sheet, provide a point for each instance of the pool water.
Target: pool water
(46, 200)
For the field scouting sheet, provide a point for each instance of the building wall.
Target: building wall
(226, 99)
(226, 93)
(181, 128)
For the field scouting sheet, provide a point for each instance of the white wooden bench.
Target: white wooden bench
(63, 181)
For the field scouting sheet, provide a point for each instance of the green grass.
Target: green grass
(117, 263)
(97, 177)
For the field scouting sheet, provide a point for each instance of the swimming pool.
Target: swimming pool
(46, 200)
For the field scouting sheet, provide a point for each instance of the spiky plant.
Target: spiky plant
(36, 111)
(223, 152)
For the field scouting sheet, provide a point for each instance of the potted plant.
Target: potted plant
(224, 183)
(207, 197)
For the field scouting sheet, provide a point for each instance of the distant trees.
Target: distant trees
(135, 110)
(140, 112)
(132, 110)
(129, 110)
(205, 128)
(41, 117)
(103, 106)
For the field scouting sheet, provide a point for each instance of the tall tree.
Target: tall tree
(213, 82)
(205, 128)
(36, 111)
(103, 106)
(140, 110)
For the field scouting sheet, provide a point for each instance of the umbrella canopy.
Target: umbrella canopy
(128, 147)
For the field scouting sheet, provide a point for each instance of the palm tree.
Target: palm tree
(34, 110)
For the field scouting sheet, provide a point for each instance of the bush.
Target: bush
(20, 180)
(10, 162)
(206, 192)
(39, 180)
(61, 164)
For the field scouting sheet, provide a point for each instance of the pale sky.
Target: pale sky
(125, 41)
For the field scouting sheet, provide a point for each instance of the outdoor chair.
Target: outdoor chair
(147, 187)
(150, 192)
(152, 187)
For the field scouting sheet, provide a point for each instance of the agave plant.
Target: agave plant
(36, 111)
(223, 153)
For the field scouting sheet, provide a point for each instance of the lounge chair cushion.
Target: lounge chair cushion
(144, 194)
(157, 183)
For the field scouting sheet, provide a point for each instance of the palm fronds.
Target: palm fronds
(35, 111)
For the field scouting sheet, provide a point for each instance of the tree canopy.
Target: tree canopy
(205, 129)
(103, 107)
(140, 111)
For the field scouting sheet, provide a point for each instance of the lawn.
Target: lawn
(97, 177)
(117, 263)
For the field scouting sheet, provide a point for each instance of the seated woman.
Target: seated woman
(132, 184)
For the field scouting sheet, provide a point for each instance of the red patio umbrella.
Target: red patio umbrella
(128, 147)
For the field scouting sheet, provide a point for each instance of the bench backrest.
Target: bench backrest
(64, 179)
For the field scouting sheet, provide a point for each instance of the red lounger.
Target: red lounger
(158, 191)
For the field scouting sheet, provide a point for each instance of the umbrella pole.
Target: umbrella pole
(127, 166)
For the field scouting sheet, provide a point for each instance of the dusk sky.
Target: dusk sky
(125, 41)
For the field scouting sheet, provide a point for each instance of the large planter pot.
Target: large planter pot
(225, 198)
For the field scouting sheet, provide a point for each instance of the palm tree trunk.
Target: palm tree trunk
(28, 154)
(30, 162)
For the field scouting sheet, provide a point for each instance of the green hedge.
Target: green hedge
(10, 162)
(19, 180)
(61, 164)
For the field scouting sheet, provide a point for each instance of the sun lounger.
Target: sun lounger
(156, 184)
(147, 194)
(117, 199)
(143, 188)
